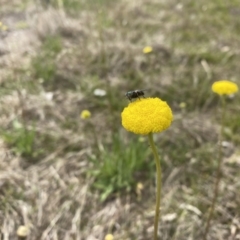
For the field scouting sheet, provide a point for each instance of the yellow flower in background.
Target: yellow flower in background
(4, 28)
(139, 189)
(147, 115)
(182, 105)
(147, 49)
(109, 237)
(224, 87)
(139, 186)
(22, 231)
(85, 114)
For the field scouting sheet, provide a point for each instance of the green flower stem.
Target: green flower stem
(159, 184)
(216, 187)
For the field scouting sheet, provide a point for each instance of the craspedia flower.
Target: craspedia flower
(147, 49)
(109, 237)
(147, 115)
(22, 231)
(85, 114)
(224, 87)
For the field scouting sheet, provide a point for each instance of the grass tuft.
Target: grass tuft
(120, 166)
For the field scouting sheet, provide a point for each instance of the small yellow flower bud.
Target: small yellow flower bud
(147, 49)
(139, 189)
(22, 231)
(85, 114)
(109, 237)
(182, 105)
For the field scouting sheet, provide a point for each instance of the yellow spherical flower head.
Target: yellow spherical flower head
(224, 87)
(147, 115)
(109, 237)
(147, 49)
(85, 114)
(22, 231)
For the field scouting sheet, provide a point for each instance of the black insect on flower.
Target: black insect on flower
(134, 94)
